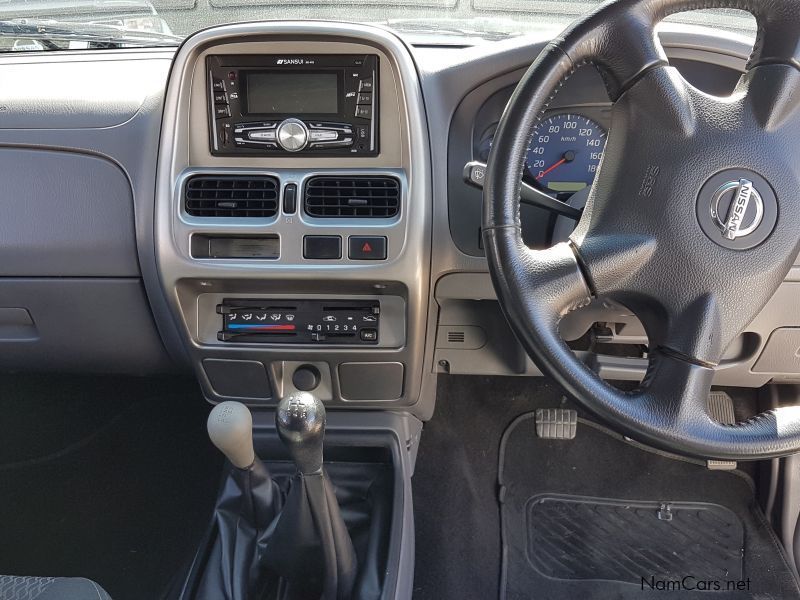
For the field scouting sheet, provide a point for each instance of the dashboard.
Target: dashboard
(282, 205)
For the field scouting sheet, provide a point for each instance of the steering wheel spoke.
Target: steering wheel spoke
(552, 274)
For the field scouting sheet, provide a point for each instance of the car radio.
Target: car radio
(276, 105)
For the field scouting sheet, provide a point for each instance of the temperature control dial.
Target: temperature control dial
(292, 135)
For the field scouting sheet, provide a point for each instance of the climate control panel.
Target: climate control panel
(300, 321)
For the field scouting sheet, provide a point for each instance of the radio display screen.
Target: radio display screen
(294, 93)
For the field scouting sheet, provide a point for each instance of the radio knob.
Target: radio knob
(292, 135)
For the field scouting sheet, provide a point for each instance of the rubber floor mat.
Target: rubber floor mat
(601, 517)
(570, 537)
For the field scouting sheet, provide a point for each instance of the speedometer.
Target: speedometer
(565, 153)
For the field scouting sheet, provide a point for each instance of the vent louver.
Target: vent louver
(455, 337)
(359, 197)
(254, 196)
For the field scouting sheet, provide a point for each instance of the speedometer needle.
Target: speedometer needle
(568, 156)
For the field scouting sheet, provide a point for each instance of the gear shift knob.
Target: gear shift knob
(230, 427)
(300, 419)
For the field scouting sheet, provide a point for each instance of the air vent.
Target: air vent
(254, 196)
(455, 337)
(360, 197)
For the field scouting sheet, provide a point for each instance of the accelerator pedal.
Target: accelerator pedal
(556, 423)
(720, 407)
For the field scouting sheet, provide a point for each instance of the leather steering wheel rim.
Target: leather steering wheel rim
(654, 235)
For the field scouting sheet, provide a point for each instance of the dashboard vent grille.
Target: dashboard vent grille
(456, 337)
(253, 196)
(360, 197)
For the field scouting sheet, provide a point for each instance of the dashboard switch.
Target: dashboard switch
(290, 198)
(322, 134)
(369, 335)
(366, 247)
(262, 134)
(322, 247)
(364, 112)
(365, 85)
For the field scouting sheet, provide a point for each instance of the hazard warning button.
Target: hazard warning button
(366, 247)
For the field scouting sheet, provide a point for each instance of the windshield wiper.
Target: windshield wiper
(51, 30)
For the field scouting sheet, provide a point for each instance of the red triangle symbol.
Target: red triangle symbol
(366, 247)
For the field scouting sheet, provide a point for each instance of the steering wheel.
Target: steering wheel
(693, 221)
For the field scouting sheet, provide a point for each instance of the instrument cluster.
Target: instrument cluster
(565, 150)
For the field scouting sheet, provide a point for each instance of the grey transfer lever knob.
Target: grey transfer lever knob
(300, 419)
(230, 427)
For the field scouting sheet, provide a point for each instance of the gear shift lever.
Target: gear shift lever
(311, 546)
(300, 419)
(248, 504)
(230, 427)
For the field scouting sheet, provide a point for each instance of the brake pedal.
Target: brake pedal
(556, 423)
(720, 408)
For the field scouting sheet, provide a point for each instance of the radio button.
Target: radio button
(222, 111)
(364, 112)
(362, 133)
(240, 127)
(343, 127)
(218, 85)
(262, 135)
(365, 85)
(243, 143)
(220, 97)
(364, 98)
(343, 143)
(322, 134)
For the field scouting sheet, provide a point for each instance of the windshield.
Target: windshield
(37, 25)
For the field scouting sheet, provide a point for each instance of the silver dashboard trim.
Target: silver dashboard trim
(406, 272)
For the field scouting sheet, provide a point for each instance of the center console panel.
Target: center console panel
(293, 213)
